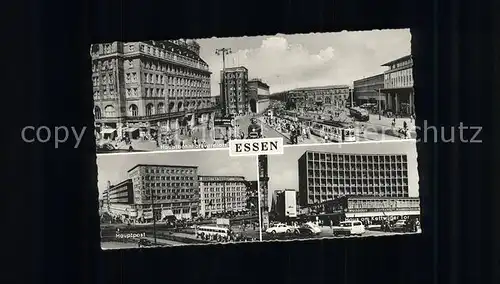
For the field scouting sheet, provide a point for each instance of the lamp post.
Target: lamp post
(223, 51)
(152, 198)
(378, 100)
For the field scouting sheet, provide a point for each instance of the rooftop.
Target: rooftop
(321, 87)
(166, 166)
(406, 57)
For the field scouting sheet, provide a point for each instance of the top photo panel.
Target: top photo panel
(165, 95)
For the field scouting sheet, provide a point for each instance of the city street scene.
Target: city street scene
(199, 94)
(336, 191)
(177, 198)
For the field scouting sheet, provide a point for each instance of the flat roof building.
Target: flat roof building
(325, 176)
(220, 195)
(172, 188)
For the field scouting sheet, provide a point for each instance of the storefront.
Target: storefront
(400, 100)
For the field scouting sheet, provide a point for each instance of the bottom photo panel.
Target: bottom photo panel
(198, 197)
(340, 190)
(177, 198)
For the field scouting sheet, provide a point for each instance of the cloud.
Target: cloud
(291, 61)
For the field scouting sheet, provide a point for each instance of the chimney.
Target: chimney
(109, 184)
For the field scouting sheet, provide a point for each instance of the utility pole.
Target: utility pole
(153, 212)
(379, 110)
(223, 51)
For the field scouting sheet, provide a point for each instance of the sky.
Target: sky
(286, 62)
(214, 162)
(283, 169)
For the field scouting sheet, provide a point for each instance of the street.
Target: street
(326, 232)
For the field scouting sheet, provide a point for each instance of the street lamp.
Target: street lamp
(153, 213)
(379, 111)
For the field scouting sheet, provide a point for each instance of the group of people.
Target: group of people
(297, 130)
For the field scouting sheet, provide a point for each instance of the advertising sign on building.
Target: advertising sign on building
(223, 221)
(290, 203)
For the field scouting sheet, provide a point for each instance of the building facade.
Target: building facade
(147, 87)
(285, 204)
(335, 96)
(258, 96)
(368, 90)
(234, 90)
(172, 190)
(325, 176)
(220, 195)
(398, 85)
(367, 209)
(121, 193)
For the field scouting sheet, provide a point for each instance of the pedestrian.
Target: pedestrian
(405, 125)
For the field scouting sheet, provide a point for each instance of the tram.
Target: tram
(254, 130)
(334, 130)
(359, 114)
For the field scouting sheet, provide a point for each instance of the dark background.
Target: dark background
(50, 230)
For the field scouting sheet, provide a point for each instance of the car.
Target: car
(349, 228)
(280, 229)
(145, 243)
(403, 226)
(314, 228)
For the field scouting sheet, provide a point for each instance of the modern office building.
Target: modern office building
(234, 90)
(315, 97)
(121, 193)
(368, 209)
(398, 85)
(148, 87)
(258, 96)
(325, 176)
(369, 90)
(172, 190)
(220, 195)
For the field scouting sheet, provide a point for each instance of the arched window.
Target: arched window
(97, 113)
(149, 109)
(133, 110)
(179, 106)
(160, 108)
(171, 106)
(109, 111)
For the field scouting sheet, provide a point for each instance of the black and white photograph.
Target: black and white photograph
(177, 198)
(161, 95)
(342, 190)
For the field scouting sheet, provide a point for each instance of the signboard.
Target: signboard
(252, 147)
(290, 203)
(223, 122)
(223, 221)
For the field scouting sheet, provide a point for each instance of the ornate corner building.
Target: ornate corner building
(150, 86)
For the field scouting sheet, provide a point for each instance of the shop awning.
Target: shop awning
(107, 130)
(131, 129)
(380, 214)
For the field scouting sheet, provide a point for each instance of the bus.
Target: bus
(207, 231)
(359, 114)
(333, 130)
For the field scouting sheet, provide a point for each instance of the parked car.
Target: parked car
(349, 228)
(145, 243)
(314, 228)
(280, 229)
(404, 226)
(304, 231)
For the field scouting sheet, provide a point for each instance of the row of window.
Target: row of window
(170, 171)
(160, 79)
(402, 64)
(227, 195)
(320, 157)
(383, 203)
(166, 197)
(221, 189)
(176, 190)
(168, 184)
(168, 54)
(162, 177)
